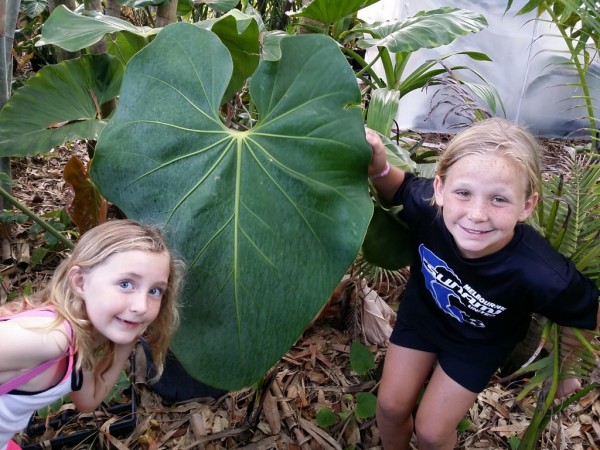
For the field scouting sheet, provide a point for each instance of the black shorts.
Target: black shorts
(470, 376)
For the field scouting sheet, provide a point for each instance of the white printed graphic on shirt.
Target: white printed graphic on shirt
(451, 295)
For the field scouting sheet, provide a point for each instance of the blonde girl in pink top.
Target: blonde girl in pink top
(75, 336)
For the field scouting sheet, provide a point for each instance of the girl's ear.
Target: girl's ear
(438, 191)
(76, 280)
(529, 206)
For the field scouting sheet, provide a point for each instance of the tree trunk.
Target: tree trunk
(92, 7)
(307, 25)
(166, 13)
(9, 11)
(112, 8)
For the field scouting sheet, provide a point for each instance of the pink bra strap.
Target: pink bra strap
(25, 377)
(37, 370)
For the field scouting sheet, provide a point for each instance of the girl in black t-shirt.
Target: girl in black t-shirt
(479, 274)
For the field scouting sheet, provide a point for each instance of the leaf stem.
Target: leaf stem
(45, 225)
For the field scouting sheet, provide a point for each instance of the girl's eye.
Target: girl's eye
(156, 292)
(126, 284)
(499, 200)
(464, 194)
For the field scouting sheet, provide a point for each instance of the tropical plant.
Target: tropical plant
(395, 42)
(357, 407)
(240, 278)
(240, 255)
(569, 217)
(578, 24)
(97, 79)
(31, 17)
(244, 208)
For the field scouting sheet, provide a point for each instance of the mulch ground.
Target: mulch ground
(315, 373)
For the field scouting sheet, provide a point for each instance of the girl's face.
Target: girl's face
(123, 294)
(482, 199)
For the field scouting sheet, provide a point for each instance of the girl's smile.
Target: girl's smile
(482, 199)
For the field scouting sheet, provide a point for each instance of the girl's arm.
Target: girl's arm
(97, 383)
(385, 181)
(28, 342)
(569, 385)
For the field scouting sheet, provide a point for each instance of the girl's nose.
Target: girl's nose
(139, 303)
(477, 212)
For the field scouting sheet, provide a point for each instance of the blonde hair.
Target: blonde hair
(501, 137)
(92, 249)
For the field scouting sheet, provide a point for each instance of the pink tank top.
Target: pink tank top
(35, 371)
(17, 407)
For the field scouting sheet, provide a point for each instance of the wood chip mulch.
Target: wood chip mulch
(315, 373)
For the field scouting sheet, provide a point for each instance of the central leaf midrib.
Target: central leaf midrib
(236, 225)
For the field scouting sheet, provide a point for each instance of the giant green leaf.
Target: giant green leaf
(427, 29)
(58, 104)
(267, 219)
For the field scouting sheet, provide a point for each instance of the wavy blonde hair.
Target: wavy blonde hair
(501, 137)
(93, 248)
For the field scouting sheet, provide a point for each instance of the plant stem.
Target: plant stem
(45, 225)
(366, 67)
(581, 73)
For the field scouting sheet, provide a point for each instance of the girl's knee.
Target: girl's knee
(433, 435)
(391, 409)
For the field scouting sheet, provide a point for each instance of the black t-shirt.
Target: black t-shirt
(479, 309)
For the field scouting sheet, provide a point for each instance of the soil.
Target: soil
(315, 373)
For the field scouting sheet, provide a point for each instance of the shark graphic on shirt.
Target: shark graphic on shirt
(451, 295)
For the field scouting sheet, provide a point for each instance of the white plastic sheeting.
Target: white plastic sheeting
(524, 51)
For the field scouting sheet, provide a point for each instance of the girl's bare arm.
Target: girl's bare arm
(388, 184)
(28, 342)
(97, 383)
(569, 385)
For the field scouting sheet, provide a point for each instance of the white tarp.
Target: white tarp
(523, 50)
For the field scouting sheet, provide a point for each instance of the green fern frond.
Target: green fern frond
(569, 212)
(568, 215)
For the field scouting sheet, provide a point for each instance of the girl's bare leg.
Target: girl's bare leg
(441, 408)
(404, 373)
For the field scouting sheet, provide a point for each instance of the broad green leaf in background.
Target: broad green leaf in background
(270, 46)
(185, 7)
(327, 12)
(58, 104)
(386, 232)
(71, 31)
(33, 8)
(326, 417)
(383, 108)
(221, 6)
(366, 405)
(124, 45)
(427, 29)
(268, 219)
(361, 358)
(239, 33)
